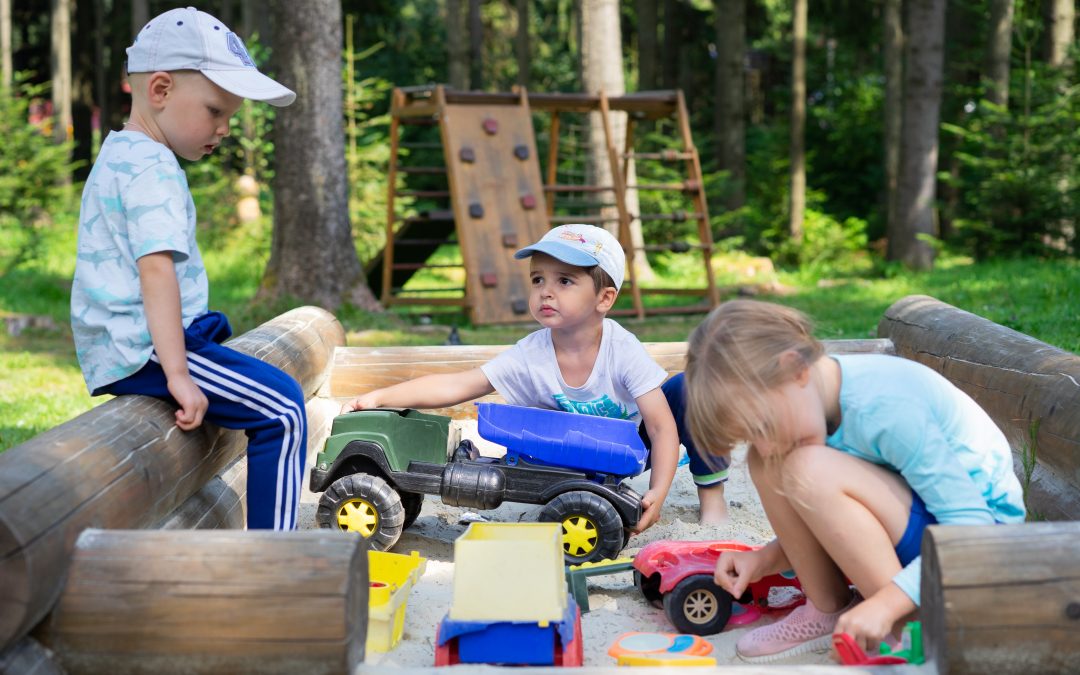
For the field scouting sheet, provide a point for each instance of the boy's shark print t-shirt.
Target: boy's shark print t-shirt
(136, 202)
(528, 374)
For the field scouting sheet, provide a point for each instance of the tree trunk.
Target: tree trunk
(1061, 16)
(312, 256)
(101, 70)
(646, 22)
(798, 121)
(140, 14)
(61, 68)
(476, 46)
(999, 48)
(730, 120)
(894, 80)
(670, 54)
(457, 51)
(521, 44)
(601, 59)
(924, 56)
(82, 99)
(7, 70)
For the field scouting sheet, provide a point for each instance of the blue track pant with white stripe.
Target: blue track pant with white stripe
(249, 394)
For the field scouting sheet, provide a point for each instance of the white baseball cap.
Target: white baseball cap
(582, 246)
(187, 39)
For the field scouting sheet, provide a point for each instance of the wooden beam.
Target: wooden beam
(358, 370)
(124, 464)
(190, 601)
(1002, 599)
(1024, 385)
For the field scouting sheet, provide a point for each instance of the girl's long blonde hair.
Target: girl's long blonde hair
(735, 357)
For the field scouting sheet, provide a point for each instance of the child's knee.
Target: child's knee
(807, 471)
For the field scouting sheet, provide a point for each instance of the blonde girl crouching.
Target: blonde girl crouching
(853, 456)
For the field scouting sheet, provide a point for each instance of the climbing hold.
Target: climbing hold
(510, 240)
(519, 306)
(528, 202)
(467, 155)
(489, 279)
(521, 151)
(476, 210)
(491, 126)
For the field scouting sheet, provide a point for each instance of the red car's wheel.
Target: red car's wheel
(698, 606)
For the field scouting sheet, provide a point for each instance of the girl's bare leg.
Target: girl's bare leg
(858, 512)
(821, 579)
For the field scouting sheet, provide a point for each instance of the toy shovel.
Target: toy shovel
(851, 654)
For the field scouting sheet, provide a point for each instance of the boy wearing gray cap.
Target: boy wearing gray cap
(580, 361)
(139, 300)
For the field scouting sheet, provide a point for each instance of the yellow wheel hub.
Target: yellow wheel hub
(579, 535)
(700, 607)
(357, 515)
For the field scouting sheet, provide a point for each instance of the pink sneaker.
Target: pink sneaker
(806, 629)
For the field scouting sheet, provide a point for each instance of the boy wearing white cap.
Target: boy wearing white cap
(139, 311)
(579, 361)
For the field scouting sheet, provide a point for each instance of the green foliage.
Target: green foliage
(1029, 458)
(1018, 175)
(33, 171)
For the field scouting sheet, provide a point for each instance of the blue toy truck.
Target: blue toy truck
(377, 465)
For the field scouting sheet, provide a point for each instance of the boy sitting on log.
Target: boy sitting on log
(139, 301)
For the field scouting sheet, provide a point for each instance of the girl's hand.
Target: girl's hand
(872, 619)
(735, 570)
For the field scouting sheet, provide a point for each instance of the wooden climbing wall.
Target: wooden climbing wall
(498, 202)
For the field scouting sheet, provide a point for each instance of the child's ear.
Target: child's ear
(606, 299)
(158, 87)
(791, 360)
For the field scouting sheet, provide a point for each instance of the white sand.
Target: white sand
(616, 605)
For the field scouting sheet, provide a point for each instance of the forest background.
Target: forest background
(866, 148)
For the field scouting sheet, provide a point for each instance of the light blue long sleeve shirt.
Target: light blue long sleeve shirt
(902, 415)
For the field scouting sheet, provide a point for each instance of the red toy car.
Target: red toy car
(678, 577)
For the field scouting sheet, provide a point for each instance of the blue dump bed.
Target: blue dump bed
(555, 438)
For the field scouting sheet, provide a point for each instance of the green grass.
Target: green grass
(41, 386)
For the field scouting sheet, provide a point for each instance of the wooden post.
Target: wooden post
(1024, 384)
(358, 370)
(124, 464)
(190, 601)
(1001, 599)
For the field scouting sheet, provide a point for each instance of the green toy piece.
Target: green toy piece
(910, 646)
(577, 574)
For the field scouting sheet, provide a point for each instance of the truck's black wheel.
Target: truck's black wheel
(698, 606)
(366, 504)
(591, 527)
(412, 502)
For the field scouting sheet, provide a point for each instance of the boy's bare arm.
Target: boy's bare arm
(429, 391)
(664, 435)
(161, 301)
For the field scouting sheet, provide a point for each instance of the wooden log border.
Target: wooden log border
(228, 602)
(1002, 599)
(358, 370)
(1023, 383)
(124, 464)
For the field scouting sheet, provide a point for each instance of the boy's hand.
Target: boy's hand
(650, 511)
(192, 401)
(364, 402)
